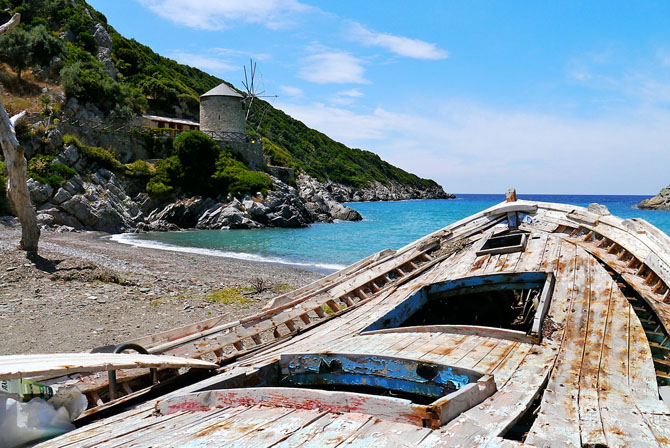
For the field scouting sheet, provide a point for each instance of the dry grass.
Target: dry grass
(22, 95)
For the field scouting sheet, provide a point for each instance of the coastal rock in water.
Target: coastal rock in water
(659, 202)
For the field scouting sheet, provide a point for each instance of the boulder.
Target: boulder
(69, 156)
(322, 204)
(79, 207)
(39, 193)
(61, 196)
(659, 202)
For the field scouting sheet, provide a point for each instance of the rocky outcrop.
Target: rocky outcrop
(320, 201)
(392, 191)
(659, 202)
(99, 200)
(281, 207)
(99, 203)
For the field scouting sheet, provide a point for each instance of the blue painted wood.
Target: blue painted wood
(349, 379)
(398, 374)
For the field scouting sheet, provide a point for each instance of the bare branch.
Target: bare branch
(16, 18)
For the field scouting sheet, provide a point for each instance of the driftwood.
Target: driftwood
(13, 152)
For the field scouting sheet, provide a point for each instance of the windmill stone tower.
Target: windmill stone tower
(222, 112)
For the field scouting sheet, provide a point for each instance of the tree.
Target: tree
(17, 187)
(20, 48)
(43, 45)
(197, 153)
(15, 48)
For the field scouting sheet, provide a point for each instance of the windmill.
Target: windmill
(252, 94)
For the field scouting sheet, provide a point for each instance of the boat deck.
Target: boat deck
(590, 377)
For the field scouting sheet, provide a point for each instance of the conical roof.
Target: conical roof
(222, 90)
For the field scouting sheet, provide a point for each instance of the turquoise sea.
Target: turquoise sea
(327, 247)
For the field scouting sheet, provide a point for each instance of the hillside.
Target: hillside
(133, 79)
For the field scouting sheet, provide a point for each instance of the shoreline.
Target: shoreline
(84, 290)
(319, 268)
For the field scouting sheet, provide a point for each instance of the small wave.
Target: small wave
(131, 239)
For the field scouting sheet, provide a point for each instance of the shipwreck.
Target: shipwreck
(527, 324)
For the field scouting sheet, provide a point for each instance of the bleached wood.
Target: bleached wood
(56, 364)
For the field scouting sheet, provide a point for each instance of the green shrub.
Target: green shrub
(234, 177)
(278, 156)
(100, 156)
(89, 82)
(139, 168)
(63, 170)
(197, 154)
(158, 189)
(166, 175)
(42, 169)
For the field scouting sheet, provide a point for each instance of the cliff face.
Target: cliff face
(111, 201)
(659, 202)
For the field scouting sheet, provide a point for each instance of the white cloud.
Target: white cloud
(334, 66)
(474, 149)
(291, 90)
(403, 46)
(204, 62)
(222, 14)
(353, 93)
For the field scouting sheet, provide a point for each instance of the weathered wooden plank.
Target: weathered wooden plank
(58, 364)
(512, 207)
(532, 255)
(161, 428)
(591, 427)
(511, 262)
(508, 365)
(495, 358)
(479, 352)
(476, 330)
(387, 408)
(211, 431)
(622, 423)
(450, 354)
(557, 423)
(660, 427)
(328, 431)
(271, 434)
(380, 433)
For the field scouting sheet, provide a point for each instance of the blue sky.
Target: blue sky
(547, 97)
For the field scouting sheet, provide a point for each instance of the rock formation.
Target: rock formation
(659, 202)
(100, 201)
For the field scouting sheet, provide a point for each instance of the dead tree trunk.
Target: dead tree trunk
(17, 188)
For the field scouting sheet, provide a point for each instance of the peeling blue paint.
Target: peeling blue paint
(395, 374)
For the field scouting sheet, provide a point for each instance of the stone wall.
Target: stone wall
(251, 153)
(222, 114)
(126, 146)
